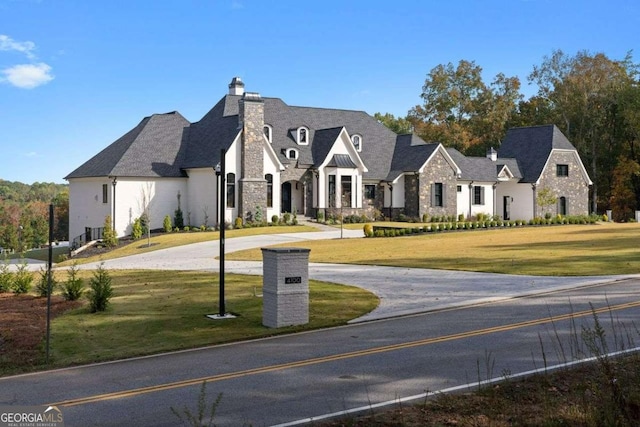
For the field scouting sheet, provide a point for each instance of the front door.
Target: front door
(506, 209)
(286, 197)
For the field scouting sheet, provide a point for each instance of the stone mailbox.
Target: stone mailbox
(285, 287)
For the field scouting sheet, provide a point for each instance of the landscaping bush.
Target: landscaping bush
(101, 290)
(178, 219)
(136, 229)
(42, 287)
(73, 287)
(286, 217)
(109, 237)
(320, 216)
(166, 224)
(368, 230)
(275, 219)
(237, 223)
(6, 277)
(22, 280)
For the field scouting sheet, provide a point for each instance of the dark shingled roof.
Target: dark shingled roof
(482, 168)
(154, 148)
(532, 147)
(410, 154)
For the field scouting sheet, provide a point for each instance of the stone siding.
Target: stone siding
(438, 170)
(252, 187)
(573, 187)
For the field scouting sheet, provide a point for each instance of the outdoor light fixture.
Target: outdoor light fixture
(114, 182)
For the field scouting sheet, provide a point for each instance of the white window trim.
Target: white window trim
(298, 136)
(270, 135)
(359, 146)
(291, 151)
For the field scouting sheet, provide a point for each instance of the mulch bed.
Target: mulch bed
(23, 325)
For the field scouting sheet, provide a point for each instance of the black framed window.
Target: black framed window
(105, 193)
(231, 190)
(562, 170)
(370, 191)
(437, 194)
(345, 183)
(478, 195)
(332, 191)
(269, 179)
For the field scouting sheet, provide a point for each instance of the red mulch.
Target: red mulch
(23, 326)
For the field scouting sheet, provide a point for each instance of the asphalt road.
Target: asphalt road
(288, 378)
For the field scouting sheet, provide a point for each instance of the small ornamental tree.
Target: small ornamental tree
(22, 279)
(544, 199)
(101, 290)
(6, 277)
(109, 237)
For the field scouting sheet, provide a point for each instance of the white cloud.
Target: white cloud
(8, 44)
(27, 76)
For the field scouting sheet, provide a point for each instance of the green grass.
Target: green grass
(41, 254)
(168, 240)
(156, 311)
(565, 250)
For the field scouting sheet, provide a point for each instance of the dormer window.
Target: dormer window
(303, 136)
(357, 142)
(268, 133)
(292, 153)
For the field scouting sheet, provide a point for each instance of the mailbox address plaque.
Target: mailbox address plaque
(292, 280)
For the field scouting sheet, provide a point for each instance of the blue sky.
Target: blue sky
(77, 75)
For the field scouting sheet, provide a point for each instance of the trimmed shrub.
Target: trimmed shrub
(73, 287)
(109, 237)
(237, 223)
(286, 218)
(166, 224)
(178, 219)
(100, 290)
(368, 230)
(42, 287)
(136, 229)
(275, 219)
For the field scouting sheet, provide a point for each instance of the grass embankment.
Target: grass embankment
(169, 240)
(562, 250)
(156, 311)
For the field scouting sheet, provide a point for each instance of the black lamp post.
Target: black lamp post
(221, 224)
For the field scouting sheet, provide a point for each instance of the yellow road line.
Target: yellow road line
(325, 359)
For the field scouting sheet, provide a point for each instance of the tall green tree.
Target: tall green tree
(399, 125)
(461, 111)
(584, 92)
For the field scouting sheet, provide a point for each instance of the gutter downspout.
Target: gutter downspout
(535, 207)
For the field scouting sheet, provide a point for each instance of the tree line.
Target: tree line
(593, 99)
(24, 214)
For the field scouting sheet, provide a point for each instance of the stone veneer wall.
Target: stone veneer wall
(573, 187)
(437, 170)
(252, 187)
(411, 205)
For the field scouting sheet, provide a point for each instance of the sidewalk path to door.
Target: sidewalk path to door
(402, 291)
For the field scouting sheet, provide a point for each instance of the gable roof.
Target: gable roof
(410, 155)
(482, 168)
(154, 148)
(532, 147)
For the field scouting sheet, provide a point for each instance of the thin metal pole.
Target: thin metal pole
(49, 265)
(222, 227)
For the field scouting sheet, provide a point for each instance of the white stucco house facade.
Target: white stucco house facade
(280, 158)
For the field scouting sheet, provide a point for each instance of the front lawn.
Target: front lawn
(553, 250)
(156, 311)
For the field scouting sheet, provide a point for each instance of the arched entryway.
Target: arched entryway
(292, 197)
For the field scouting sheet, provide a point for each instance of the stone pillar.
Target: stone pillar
(285, 289)
(252, 187)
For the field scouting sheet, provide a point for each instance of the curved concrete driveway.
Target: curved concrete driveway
(401, 291)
